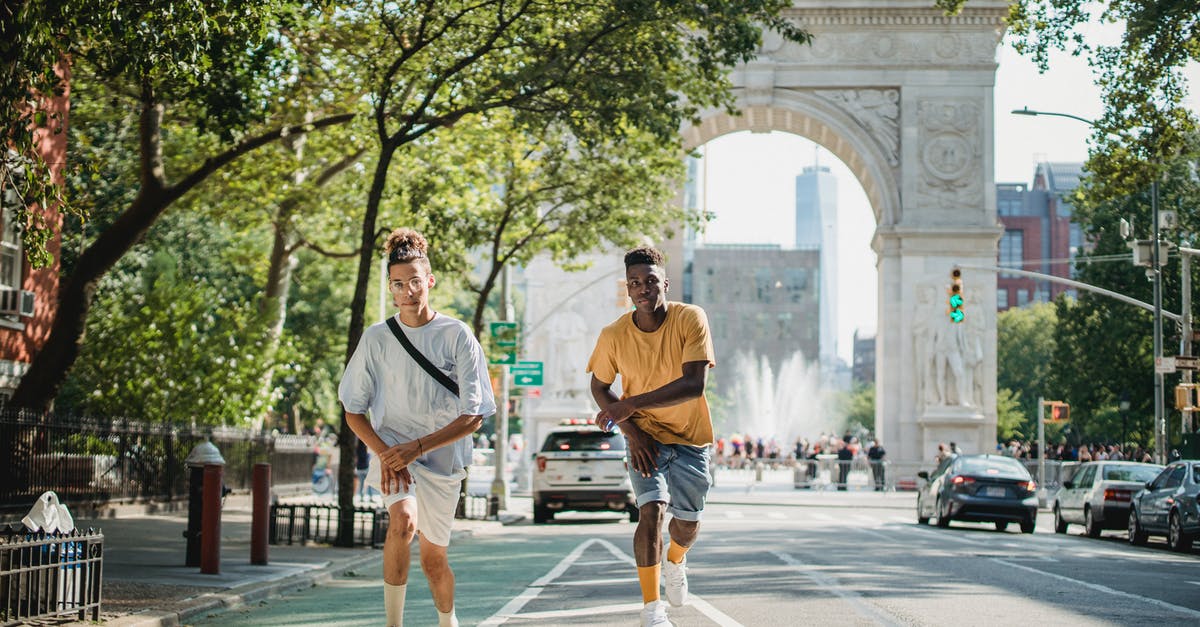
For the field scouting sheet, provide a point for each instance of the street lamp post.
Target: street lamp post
(1124, 420)
(1155, 274)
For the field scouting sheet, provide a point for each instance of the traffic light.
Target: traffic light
(1060, 412)
(956, 296)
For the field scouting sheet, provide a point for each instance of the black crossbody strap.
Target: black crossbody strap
(420, 359)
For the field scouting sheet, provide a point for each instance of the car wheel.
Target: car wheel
(1089, 524)
(943, 514)
(1137, 535)
(1060, 525)
(1177, 539)
(1001, 525)
(542, 514)
(1027, 526)
(635, 514)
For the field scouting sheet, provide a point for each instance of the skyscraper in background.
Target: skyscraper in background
(816, 229)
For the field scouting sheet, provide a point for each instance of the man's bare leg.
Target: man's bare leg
(397, 555)
(435, 563)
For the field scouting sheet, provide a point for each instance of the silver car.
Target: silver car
(1098, 495)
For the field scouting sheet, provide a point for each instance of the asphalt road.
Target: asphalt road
(780, 558)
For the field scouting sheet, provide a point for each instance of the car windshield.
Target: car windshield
(1140, 474)
(584, 441)
(996, 466)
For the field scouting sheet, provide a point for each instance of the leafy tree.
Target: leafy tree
(858, 408)
(1012, 423)
(207, 67)
(1025, 357)
(169, 340)
(596, 67)
(521, 192)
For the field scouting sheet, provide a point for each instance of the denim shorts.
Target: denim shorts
(682, 475)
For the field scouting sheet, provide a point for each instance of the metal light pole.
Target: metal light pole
(1124, 406)
(1155, 274)
(500, 451)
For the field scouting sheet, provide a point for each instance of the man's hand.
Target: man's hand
(608, 418)
(400, 456)
(392, 481)
(643, 450)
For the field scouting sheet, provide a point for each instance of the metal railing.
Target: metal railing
(319, 523)
(50, 575)
(89, 460)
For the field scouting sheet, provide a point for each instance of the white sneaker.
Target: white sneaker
(675, 582)
(655, 615)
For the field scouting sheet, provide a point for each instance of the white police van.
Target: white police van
(581, 468)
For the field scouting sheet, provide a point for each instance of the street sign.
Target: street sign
(527, 374)
(505, 334)
(1164, 365)
(505, 359)
(1188, 362)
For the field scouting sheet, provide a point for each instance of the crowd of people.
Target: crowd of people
(1063, 451)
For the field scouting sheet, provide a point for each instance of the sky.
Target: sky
(749, 179)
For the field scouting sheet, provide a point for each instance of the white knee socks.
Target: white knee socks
(393, 603)
(447, 619)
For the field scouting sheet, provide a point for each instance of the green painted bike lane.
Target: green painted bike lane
(489, 572)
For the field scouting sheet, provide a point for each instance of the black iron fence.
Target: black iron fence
(50, 575)
(89, 460)
(319, 523)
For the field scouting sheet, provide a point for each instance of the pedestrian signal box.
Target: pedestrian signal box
(956, 296)
(1185, 397)
(1060, 412)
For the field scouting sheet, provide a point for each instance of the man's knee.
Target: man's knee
(401, 527)
(653, 512)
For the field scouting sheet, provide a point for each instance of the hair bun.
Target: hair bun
(405, 244)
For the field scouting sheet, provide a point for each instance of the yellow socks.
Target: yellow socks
(648, 578)
(675, 552)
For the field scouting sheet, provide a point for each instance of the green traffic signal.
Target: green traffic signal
(956, 299)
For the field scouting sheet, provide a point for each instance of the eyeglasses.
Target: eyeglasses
(414, 284)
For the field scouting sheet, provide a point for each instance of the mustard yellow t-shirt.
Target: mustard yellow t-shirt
(648, 361)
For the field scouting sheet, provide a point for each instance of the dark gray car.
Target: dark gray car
(979, 488)
(1168, 506)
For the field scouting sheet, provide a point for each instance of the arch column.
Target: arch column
(903, 95)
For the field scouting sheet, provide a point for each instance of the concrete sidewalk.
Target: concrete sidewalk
(145, 582)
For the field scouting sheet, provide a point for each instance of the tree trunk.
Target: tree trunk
(50, 366)
(347, 442)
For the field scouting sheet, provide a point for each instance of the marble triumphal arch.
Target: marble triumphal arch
(902, 94)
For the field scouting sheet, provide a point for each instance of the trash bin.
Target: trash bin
(50, 575)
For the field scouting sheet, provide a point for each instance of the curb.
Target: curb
(224, 600)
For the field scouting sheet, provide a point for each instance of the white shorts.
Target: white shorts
(436, 495)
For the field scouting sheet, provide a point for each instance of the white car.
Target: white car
(581, 468)
(1098, 495)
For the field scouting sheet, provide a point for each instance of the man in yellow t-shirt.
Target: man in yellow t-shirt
(662, 351)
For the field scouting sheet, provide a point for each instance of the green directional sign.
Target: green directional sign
(527, 374)
(505, 334)
(504, 359)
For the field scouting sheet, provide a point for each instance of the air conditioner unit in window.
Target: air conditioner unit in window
(16, 302)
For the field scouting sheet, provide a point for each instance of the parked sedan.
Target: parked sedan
(1168, 506)
(1098, 495)
(979, 488)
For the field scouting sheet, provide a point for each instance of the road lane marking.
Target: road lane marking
(734, 514)
(942, 536)
(512, 609)
(583, 611)
(776, 515)
(600, 563)
(820, 516)
(831, 584)
(1105, 589)
(594, 582)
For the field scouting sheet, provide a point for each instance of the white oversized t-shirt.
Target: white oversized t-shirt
(405, 402)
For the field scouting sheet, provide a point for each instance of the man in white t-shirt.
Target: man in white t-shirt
(419, 428)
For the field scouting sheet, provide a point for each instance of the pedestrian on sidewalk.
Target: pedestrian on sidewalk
(662, 351)
(423, 379)
(876, 454)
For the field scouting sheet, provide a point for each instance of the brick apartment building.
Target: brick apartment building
(1039, 234)
(28, 297)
